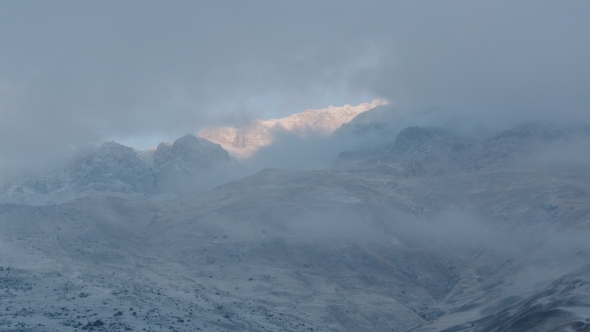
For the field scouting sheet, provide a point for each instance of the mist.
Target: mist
(74, 74)
(461, 205)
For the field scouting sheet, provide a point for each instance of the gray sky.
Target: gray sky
(74, 73)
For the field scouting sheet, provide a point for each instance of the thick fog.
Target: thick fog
(139, 72)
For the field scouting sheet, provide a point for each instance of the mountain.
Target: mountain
(438, 151)
(245, 140)
(113, 167)
(425, 230)
(188, 164)
(335, 250)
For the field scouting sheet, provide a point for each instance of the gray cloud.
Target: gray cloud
(500, 62)
(76, 73)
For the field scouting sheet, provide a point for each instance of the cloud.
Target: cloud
(291, 151)
(500, 62)
(76, 73)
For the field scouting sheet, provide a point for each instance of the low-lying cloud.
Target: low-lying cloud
(75, 73)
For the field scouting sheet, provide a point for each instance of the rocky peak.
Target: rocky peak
(189, 151)
(114, 167)
(189, 164)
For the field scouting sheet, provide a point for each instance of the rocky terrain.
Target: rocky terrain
(187, 164)
(430, 231)
(438, 151)
(245, 140)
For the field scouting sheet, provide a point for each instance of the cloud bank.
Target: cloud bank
(77, 73)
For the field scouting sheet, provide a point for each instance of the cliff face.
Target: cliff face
(245, 140)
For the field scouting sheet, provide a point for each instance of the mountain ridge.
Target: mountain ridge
(187, 164)
(245, 140)
(429, 231)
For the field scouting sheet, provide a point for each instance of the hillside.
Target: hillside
(433, 232)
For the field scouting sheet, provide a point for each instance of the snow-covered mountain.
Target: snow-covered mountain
(438, 151)
(187, 164)
(426, 230)
(245, 140)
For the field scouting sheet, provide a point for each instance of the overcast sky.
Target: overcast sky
(74, 73)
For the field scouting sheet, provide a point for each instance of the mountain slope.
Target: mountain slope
(432, 150)
(475, 239)
(335, 250)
